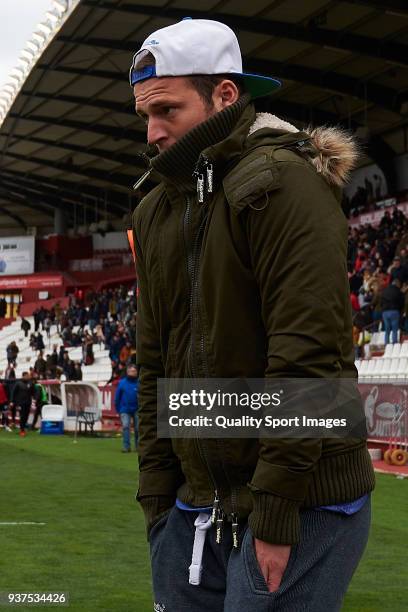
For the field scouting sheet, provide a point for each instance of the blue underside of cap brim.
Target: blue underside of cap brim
(259, 86)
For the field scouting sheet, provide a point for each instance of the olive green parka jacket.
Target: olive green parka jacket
(250, 282)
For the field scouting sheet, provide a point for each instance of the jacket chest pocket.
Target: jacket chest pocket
(249, 183)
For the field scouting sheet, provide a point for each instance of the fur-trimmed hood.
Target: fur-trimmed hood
(331, 150)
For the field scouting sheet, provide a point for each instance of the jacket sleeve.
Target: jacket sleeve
(37, 393)
(297, 239)
(160, 471)
(118, 397)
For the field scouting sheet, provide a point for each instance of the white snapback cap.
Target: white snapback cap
(197, 46)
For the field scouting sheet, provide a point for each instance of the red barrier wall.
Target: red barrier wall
(27, 309)
(65, 248)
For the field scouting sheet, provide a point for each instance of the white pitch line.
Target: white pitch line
(21, 523)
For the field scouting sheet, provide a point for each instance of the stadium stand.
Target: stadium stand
(97, 332)
(99, 371)
(384, 369)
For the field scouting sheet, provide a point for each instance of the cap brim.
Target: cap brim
(259, 86)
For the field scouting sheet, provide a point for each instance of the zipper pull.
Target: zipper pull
(142, 179)
(219, 526)
(210, 177)
(215, 508)
(235, 540)
(200, 188)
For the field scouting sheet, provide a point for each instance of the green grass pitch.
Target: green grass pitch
(93, 542)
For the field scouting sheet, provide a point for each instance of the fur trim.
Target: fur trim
(267, 120)
(332, 151)
(337, 153)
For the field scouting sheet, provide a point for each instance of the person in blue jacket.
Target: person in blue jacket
(126, 405)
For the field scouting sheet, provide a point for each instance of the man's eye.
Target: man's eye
(167, 110)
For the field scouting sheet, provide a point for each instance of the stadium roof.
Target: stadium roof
(71, 138)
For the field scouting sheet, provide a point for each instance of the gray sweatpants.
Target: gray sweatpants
(316, 578)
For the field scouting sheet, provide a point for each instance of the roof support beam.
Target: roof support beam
(124, 133)
(11, 215)
(93, 173)
(116, 107)
(370, 92)
(33, 198)
(391, 6)
(346, 41)
(58, 192)
(120, 158)
(109, 75)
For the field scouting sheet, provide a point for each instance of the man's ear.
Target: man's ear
(225, 94)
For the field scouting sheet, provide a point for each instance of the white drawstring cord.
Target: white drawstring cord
(202, 524)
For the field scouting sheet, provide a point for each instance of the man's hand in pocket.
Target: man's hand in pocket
(272, 560)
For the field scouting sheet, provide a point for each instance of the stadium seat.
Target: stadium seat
(402, 371)
(394, 368)
(369, 373)
(381, 338)
(385, 369)
(363, 369)
(388, 350)
(404, 350)
(396, 349)
(378, 368)
(375, 339)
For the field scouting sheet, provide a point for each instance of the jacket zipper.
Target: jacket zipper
(191, 266)
(205, 179)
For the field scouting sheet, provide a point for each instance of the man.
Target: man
(68, 366)
(4, 407)
(392, 303)
(77, 373)
(40, 365)
(25, 326)
(40, 398)
(398, 271)
(126, 405)
(39, 342)
(116, 346)
(22, 395)
(37, 320)
(12, 353)
(241, 264)
(52, 361)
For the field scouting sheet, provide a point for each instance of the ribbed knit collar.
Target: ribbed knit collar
(177, 163)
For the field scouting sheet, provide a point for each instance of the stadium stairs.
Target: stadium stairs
(99, 372)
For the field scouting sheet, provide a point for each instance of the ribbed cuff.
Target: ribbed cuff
(154, 508)
(274, 519)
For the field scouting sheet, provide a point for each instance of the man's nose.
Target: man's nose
(156, 133)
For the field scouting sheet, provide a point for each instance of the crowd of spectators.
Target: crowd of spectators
(107, 318)
(378, 276)
(365, 196)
